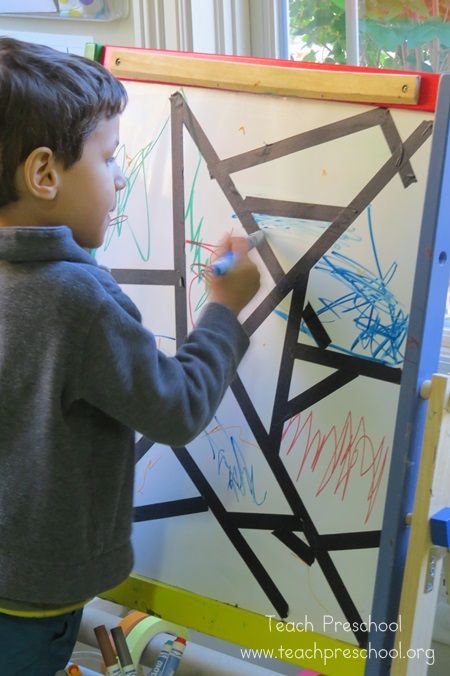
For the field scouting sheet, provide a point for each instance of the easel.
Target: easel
(242, 627)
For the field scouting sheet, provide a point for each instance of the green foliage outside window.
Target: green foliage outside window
(407, 34)
(321, 27)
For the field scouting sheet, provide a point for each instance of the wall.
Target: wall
(241, 27)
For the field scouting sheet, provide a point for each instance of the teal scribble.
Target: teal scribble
(133, 169)
(195, 239)
(227, 452)
(302, 227)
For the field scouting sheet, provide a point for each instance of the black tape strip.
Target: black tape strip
(361, 540)
(287, 361)
(316, 327)
(362, 366)
(178, 216)
(394, 141)
(310, 212)
(141, 447)
(163, 510)
(296, 545)
(229, 190)
(236, 538)
(150, 277)
(267, 305)
(260, 521)
(317, 392)
(290, 523)
(342, 596)
(307, 139)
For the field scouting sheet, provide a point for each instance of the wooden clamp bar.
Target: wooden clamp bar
(167, 67)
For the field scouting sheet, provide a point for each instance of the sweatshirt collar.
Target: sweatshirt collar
(51, 243)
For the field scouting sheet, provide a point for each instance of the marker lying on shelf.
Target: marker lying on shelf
(123, 651)
(162, 659)
(109, 657)
(224, 264)
(176, 653)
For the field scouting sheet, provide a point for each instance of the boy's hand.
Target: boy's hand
(238, 286)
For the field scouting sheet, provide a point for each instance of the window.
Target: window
(412, 35)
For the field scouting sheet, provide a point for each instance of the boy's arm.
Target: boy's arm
(168, 399)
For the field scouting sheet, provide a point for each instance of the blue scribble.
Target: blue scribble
(375, 311)
(230, 460)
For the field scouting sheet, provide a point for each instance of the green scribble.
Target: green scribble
(195, 236)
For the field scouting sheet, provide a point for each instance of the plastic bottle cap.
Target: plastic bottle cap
(73, 670)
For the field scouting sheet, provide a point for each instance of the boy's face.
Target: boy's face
(87, 190)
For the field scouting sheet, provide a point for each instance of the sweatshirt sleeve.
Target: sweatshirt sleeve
(167, 399)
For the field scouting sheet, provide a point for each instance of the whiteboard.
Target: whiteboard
(277, 506)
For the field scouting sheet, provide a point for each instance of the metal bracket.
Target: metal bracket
(436, 553)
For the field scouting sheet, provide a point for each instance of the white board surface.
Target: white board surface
(292, 510)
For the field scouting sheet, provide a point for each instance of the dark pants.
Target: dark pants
(34, 646)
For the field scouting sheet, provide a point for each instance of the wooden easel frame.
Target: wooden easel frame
(424, 561)
(422, 353)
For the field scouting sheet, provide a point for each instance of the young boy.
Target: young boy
(78, 372)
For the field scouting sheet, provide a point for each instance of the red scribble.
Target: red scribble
(201, 245)
(238, 435)
(350, 452)
(198, 270)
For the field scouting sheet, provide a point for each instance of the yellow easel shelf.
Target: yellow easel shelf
(241, 627)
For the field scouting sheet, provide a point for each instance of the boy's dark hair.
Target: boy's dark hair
(52, 99)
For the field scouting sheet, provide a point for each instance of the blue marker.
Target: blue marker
(161, 659)
(175, 656)
(223, 264)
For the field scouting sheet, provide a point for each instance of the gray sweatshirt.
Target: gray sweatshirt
(79, 373)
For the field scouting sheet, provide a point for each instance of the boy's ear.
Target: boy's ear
(41, 174)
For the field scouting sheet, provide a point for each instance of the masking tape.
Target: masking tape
(129, 621)
(143, 632)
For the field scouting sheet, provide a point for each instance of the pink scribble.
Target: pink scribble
(350, 453)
